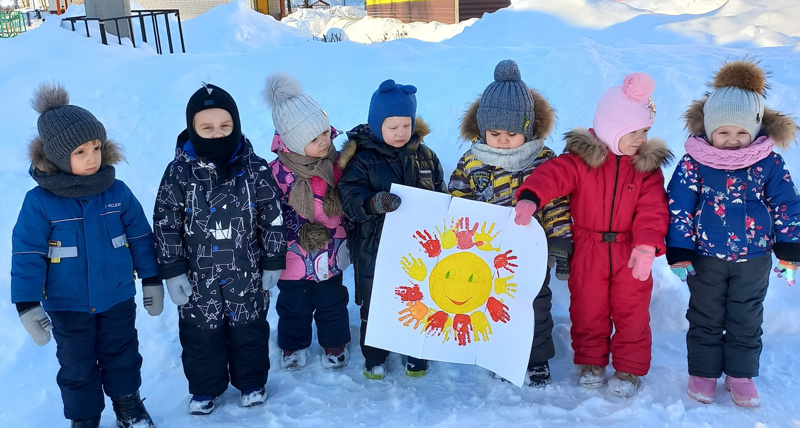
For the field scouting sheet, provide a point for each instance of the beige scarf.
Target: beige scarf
(301, 198)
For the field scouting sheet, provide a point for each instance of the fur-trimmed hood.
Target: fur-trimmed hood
(544, 118)
(360, 135)
(651, 156)
(111, 151)
(745, 75)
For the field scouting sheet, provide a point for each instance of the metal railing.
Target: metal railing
(11, 24)
(140, 16)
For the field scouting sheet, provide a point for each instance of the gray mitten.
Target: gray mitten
(153, 296)
(179, 289)
(384, 202)
(269, 278)
(37, 324)
(559, 258)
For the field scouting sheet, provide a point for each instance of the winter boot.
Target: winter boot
(743, 391)
(294, 360)
(538, 375)
(702, 389)
(592, 376)
(416, 368)
(335, 358)
(86, 423)
(130, 411)
(201, 405)
(624, 384)
(253, 396)
(375, 369)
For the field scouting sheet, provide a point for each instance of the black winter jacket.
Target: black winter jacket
(221, 232)
(370, 166)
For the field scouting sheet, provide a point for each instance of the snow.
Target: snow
(571, 50)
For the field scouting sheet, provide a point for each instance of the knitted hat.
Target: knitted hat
(392, 99)
(737, 99)
(506, 104)
(624, 109)
(63, 127)
(297, 117)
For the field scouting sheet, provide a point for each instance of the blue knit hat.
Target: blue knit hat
(506, 103)
(391, 99)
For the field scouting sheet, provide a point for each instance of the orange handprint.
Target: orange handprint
(415, 312)
(497, 310)
(463, 328)
(429, 243)
(409, 294)
(504, 261)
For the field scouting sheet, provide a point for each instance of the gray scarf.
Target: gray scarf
(512, 160)
(75, 186)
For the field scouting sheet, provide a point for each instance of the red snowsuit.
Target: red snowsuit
(619, 194)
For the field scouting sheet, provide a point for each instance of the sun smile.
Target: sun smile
(456, 302)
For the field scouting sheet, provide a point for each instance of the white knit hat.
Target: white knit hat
(297, 117)
(730, 105)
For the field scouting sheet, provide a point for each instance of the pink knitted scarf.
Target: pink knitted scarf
(708, 155)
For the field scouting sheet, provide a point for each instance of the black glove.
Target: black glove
(559, 258)
(384, 202)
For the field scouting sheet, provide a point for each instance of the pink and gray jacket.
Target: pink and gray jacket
(326, 262)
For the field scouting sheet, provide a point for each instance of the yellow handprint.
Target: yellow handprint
(415, 312)
(501, 285)
(448, 236)
(480, 327)
(484, 238)
(448, 327)
(415, 268)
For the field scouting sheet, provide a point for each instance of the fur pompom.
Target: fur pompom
(743, 74)
(638, 86)
(280, 87)
(48, 97)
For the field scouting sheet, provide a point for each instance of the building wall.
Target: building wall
(414, 10)
(192, 8)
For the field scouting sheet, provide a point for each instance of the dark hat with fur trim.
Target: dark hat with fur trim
(737, 98)
(63, 127)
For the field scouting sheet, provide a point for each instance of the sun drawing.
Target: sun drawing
(460, 285)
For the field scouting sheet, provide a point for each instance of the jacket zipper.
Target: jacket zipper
(610, 219)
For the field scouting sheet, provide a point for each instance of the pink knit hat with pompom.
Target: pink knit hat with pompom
(624, 109)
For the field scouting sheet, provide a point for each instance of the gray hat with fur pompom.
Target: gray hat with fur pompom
(63, 127)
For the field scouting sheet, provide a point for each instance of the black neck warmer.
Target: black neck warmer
(217, 150)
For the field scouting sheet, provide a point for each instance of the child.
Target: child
(387, 149)
(731, 202)
(619, 214)
(507, 126)
(306, 173)
(221, 247)
(80, 235)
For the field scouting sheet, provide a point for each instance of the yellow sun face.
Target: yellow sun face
(460, 283)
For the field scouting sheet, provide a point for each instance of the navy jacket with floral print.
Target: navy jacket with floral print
(733, 215)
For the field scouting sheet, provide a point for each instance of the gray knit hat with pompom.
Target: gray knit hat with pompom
(297, 117)
(63, 127)
(506, 104)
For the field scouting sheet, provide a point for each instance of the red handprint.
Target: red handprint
(465, 236)
(497, 310)
(429, 243)
(463, 328)
(409, 294)
(435, 323)
(503, 261)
